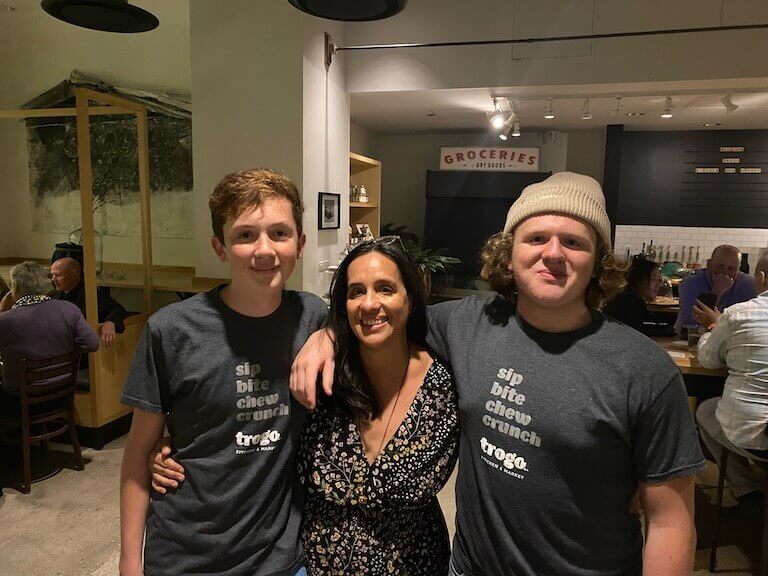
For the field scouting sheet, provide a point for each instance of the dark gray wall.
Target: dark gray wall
(657, 183)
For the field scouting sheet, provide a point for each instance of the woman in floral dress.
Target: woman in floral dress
(375, 454)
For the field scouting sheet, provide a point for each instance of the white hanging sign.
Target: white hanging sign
(490, 159)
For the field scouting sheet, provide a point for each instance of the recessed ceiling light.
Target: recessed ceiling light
(711, 124)
(667, 108)
(633, 114)
(619, 104)
(549, 114)
(585, 114)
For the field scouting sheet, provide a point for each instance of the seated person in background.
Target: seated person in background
(6, 300)
(630, 307)
(67, 278)
(722, 278)
(738, 420)
(37, 327)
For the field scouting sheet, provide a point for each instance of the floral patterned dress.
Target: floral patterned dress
(380, 518)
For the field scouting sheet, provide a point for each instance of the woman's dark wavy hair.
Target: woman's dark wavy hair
(639, 272)
(352, 389)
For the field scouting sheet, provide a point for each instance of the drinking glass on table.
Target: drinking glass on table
(694, 332)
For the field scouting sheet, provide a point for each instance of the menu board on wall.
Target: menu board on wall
(490, 159)
(694, 178)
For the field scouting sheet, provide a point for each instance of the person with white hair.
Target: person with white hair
(37, 327)
(738, 420)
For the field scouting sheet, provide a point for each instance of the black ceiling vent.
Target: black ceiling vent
(350, 10)
(104, 15)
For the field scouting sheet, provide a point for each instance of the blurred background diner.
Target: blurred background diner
(631, 306)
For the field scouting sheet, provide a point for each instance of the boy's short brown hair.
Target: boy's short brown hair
(248, 189)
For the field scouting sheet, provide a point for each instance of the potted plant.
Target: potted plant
(429, 260)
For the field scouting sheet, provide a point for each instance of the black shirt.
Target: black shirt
(109, 308)
(632, 310)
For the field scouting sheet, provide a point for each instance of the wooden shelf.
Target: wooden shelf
(367, 172)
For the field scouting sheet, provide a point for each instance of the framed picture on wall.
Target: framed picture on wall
(329, 211)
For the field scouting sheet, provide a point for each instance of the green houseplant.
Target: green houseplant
(429, 260)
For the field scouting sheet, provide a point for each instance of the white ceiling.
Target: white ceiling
(694, 104)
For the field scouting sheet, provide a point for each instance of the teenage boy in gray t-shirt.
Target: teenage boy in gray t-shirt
(565, 414)
(214, 369)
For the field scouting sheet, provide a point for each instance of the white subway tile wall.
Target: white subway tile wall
(751, 241)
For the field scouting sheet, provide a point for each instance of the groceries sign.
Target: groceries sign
(492, 159)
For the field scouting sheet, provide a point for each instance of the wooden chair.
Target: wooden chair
(763, 464)
(47, 408)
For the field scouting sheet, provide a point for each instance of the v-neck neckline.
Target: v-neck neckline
(360, 445)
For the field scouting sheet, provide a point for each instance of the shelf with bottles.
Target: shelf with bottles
(364, 184)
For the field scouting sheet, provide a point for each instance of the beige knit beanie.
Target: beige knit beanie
(563, 193)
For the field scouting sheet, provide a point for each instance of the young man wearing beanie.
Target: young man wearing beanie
(565, 414)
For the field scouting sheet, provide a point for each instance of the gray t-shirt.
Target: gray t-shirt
(557, 430)
(222, 380)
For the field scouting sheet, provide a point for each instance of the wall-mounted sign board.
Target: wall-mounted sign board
(490, 159)
(708, 170)
(731, 148)
(751, 170)
(731, 160)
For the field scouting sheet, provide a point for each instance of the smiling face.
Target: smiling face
(553, 259)
(261, 245)
(377, 301)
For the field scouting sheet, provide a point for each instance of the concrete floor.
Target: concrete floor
(69, 524)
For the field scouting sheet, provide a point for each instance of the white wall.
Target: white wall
(406, 158)
(262, 98)
(363, 141)
(247, 111)
(325, 153)
(659, 58)
(751, 241)
(36, 53)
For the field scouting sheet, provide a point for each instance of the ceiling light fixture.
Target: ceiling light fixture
(549, 114)
(503, 111)
(507, 128)
(619, 105)
(728, 103)
(346, 11)
(585, 115)
(667, 108)
(516, 128)
(497, 121)
(104, 15)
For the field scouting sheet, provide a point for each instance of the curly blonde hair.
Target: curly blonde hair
(608, 278)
